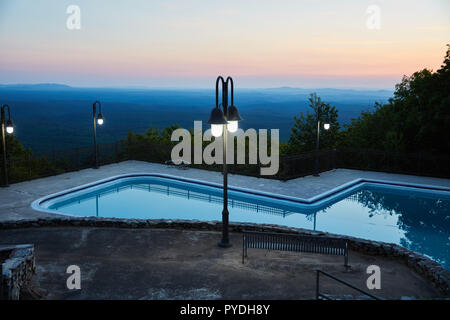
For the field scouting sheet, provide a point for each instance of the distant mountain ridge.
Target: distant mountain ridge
(38, 86)
(283, 89)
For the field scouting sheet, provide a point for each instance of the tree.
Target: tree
(152, 145)
(304, 132)
(23, 165)
(416, 119)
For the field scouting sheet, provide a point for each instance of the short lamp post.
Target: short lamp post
(326, 125)
(9, 127)
(221, 122)
(100, 121)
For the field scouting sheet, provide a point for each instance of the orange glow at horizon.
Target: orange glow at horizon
(274, 40)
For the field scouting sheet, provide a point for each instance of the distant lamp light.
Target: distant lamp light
(9, 127)
(100, 119)
(326, 124)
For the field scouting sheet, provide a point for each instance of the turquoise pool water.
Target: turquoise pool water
(418, 219)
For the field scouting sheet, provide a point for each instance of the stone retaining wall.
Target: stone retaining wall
(17, 270)
(423, 265)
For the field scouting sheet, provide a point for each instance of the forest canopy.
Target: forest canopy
(416, 119)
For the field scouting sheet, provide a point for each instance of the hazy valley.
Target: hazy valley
(55, 117)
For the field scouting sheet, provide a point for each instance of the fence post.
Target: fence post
(116, 151)
(29, 165)
(259, 168)
(77, 160)
(333, 158)
(317, 284)
(419, 164)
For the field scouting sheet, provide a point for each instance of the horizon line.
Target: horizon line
(138, 87)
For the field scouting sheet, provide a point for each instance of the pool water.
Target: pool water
(418, 219)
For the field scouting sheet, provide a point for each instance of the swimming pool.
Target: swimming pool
(415, 217)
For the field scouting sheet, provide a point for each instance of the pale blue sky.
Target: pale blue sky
(262, 43)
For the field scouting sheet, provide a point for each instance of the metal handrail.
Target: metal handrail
(323, 296)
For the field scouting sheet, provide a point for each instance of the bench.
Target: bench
(294, 242)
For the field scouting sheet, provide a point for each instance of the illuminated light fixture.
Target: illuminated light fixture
(9, 127)
(217, 120)
(100, 119)
(233, 118)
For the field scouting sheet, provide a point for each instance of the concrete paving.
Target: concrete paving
(15, 201)
(181, 264)
(174, 264)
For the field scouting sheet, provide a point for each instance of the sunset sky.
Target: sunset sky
(187, 43)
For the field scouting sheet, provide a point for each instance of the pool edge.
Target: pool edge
(325, 196)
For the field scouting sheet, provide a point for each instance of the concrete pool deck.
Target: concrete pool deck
(185, 264)
(15, 200)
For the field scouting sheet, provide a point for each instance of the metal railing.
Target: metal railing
(327, 297)
(29, 166)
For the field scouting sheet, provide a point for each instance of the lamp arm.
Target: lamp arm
(232, 89)
(5, 106)
(99, 107)
(219, 78)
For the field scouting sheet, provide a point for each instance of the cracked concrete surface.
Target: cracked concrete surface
(181, 264)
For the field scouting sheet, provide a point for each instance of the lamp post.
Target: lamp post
(100, 122)
(221, 122)
(9, 126)
(326, 125)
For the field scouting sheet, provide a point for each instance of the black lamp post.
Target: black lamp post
(100, 122)
(9, 126)
(326, 125)
(221, 122)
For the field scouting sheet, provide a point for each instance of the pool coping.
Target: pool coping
(315, 200)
